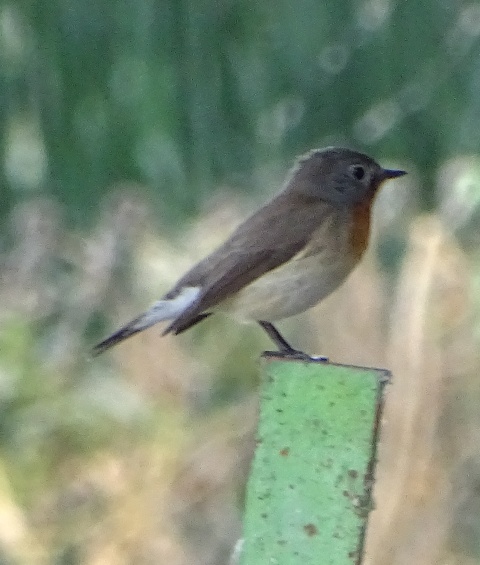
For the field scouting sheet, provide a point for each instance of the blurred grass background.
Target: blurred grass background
(135, 136)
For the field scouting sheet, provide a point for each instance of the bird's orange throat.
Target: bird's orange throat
(360, 227)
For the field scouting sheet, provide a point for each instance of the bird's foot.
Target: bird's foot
(294, 355)
(285, 350)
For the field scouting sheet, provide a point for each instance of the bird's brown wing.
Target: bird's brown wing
(238, 270)
(264, 242)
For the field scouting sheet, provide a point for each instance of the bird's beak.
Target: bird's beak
(392, 174)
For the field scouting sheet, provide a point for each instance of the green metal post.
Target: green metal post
(309, 492)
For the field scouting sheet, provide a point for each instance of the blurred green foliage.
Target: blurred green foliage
(184, 94)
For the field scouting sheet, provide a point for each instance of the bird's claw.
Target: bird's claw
(294, 355)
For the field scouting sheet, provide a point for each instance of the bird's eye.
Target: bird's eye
(358, 172)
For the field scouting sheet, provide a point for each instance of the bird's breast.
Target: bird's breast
(320, 268)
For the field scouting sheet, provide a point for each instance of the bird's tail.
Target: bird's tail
(132, 328)
(162, 310)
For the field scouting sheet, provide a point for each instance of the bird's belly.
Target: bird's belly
(289, 289)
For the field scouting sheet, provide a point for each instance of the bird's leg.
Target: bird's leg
(285, 350)
(276, 337)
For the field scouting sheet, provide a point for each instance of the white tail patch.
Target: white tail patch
(167, 309)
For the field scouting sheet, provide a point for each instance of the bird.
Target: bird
(285, 258)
